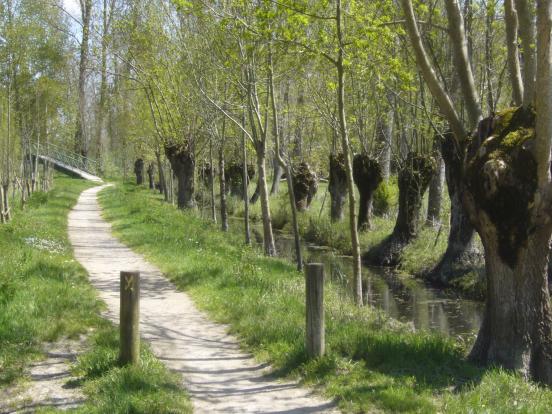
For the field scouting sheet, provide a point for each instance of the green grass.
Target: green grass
(372, 363)
(44, 293)
(45, 296)
(147, 388)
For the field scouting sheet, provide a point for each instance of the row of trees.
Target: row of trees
(354, 91)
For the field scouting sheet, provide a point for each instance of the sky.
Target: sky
(72, 6)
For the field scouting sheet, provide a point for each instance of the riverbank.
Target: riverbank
(373, 362)
(419, 257)
(45, 297)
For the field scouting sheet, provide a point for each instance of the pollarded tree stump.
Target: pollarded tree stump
(183, 165)
(233, 174)
(414, 178)
(305, 185)
(139, 171)
(367, 175)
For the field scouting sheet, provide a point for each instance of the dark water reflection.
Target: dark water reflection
(408, 301)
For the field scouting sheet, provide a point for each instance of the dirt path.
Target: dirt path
(219, 376)
(49, 383)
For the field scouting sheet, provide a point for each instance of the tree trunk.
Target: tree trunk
(516, 330)
(283, 164)
(337, 186)
(151, 177)
(414, 178)
(527, 37)
(305, 185)
(278, 172)
(511, 19)
(245, 183)
(139, 171)
(183, 164)
(234, 175)
(345, 147)
(461, 253)
(500, 188)
(462, 62)
(212, 181)
(256, 194)
(384, 137)
(162, 180)
(367, 175)
(435, 196)
(222, 187)
(268, 236)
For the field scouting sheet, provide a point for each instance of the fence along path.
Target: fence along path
(219, 376)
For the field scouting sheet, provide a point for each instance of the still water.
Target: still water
(412, 301)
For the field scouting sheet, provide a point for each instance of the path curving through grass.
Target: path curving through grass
(218, 375)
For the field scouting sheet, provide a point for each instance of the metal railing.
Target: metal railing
(69, 158)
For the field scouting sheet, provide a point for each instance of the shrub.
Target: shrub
(384, 198)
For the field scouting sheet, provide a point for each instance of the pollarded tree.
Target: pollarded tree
(507, 190)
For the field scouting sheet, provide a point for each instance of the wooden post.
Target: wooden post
(130, 318)
(315, 342)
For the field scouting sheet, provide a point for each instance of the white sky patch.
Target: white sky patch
(73, 7)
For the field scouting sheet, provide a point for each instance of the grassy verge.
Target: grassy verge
(372, 364)
(45, 295)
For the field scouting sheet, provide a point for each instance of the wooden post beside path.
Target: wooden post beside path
(130, 318)
(315, 341)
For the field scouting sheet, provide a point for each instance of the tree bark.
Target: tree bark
(256, 194)
(337, 186)
(223, 191)
(345, 147)
(515, 228)
(183, 164)
(435, 196)
(161, 173)
(278, 172)
(461, 253)
(367, 174)
(305, 185)
(151, 176)
(512, 26)
(459, 47)
(527, 36)
(414, 178)
(384, 137)
(268, 239)
(245, 183)
(139, 171)
(284, 165)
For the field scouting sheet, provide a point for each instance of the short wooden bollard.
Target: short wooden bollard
(315, 341)
(130, 318)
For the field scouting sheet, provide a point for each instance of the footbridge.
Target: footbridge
(68, 162)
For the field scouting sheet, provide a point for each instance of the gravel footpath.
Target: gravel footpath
(218, 375)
